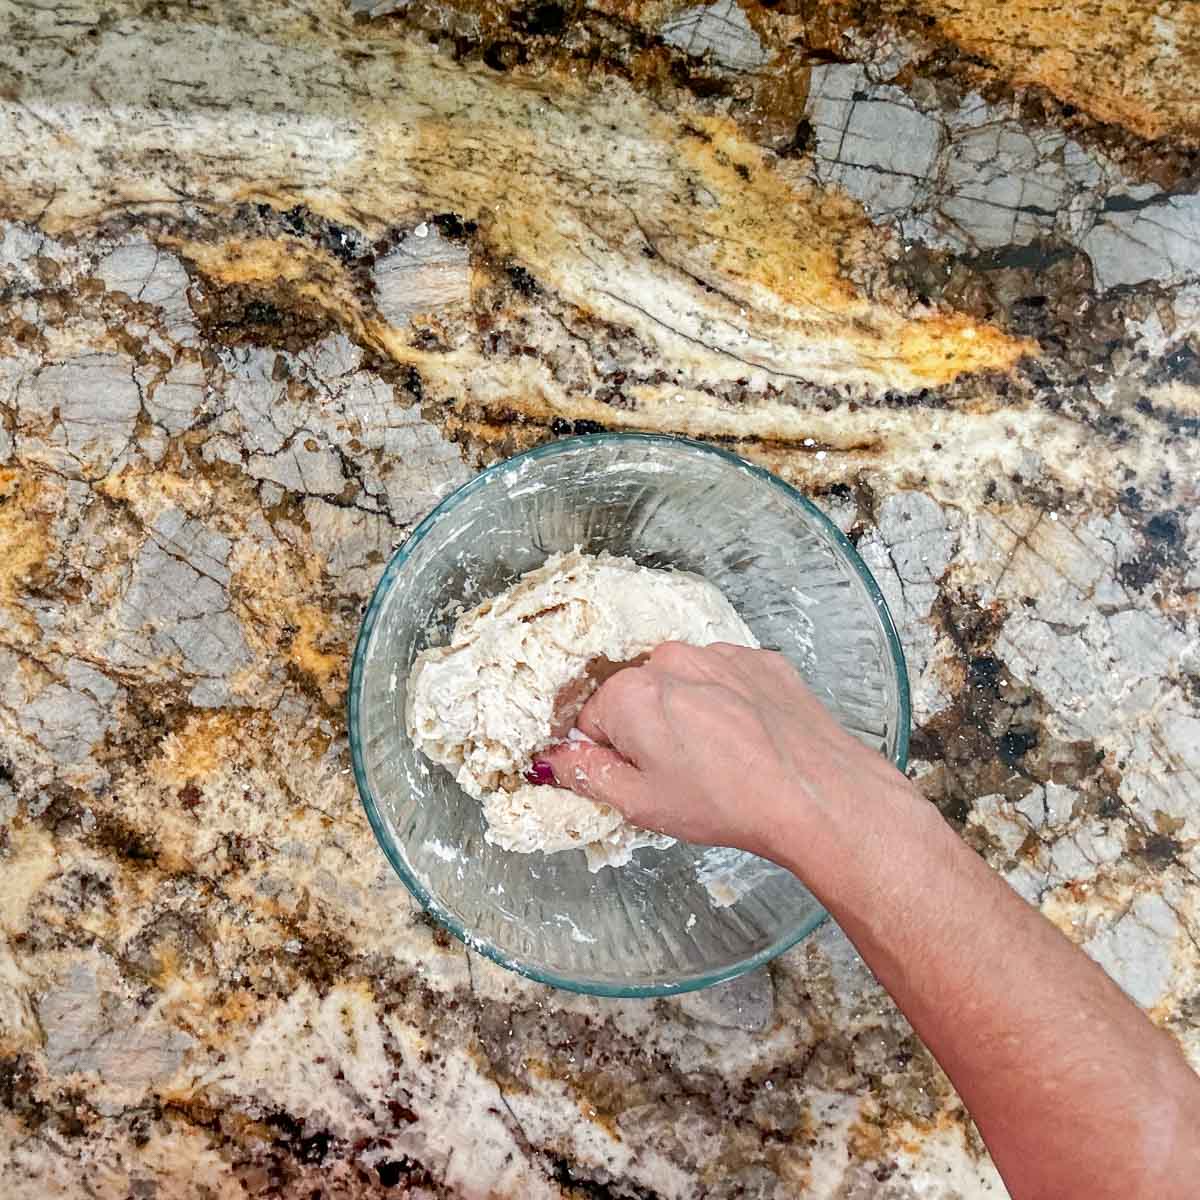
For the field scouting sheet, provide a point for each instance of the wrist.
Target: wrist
(840, 844)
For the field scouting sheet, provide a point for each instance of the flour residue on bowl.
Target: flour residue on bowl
(728, 874)
(577, 934)
(447, 854)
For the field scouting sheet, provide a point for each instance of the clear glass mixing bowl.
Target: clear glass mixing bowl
(649, 928)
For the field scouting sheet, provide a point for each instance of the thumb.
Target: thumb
(597, 772)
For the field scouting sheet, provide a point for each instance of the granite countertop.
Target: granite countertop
(275, 277)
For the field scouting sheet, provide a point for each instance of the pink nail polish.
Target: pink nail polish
(541, 772)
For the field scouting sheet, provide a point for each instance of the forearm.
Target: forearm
(1075, 1092)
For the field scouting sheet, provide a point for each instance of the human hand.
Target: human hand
(720, 745)
(725, 745)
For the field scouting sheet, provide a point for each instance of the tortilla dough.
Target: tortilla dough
(487, 702)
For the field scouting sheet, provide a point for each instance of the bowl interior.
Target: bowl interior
(650, 927)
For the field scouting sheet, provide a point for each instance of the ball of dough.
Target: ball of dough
(519, 666)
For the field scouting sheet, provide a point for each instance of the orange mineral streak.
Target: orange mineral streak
(1132, 63)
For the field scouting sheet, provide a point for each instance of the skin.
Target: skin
(1075, 1092)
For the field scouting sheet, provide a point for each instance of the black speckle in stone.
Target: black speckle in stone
(540, 20)
(801, 141)
(1161, 850)
(983, 672)
(1162, 537)
(500, 56)
(411, 382)
(1014, 745)
(293, 221)
(1164, 527)
(403, 1170)
(564, 1175)
(344, 244)
(561, 425)
(584, 426)
(1131, 500)
(313, 1149)
(259, 312)
(521, 280)
(17, 1082)
(1182, 364)
(452, 226)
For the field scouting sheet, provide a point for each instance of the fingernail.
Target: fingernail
(541, 772)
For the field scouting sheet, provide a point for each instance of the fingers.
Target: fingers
(747, 660)
(625, 711)
(732, 650)
(686, 661)
(619, 709)
(716, 662)
(757, 667)
(673, 656)
(597, 772)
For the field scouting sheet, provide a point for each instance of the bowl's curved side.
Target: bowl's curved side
(384, 835)
(851, 555)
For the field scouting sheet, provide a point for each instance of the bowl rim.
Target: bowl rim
(426, 899)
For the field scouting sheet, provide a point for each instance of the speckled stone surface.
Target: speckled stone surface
(274, 278)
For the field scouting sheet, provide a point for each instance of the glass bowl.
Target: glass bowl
(650, 927)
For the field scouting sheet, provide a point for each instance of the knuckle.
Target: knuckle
(672, 654)
(731, 648)
(629, 687)
(727, 649)
(625, 693)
